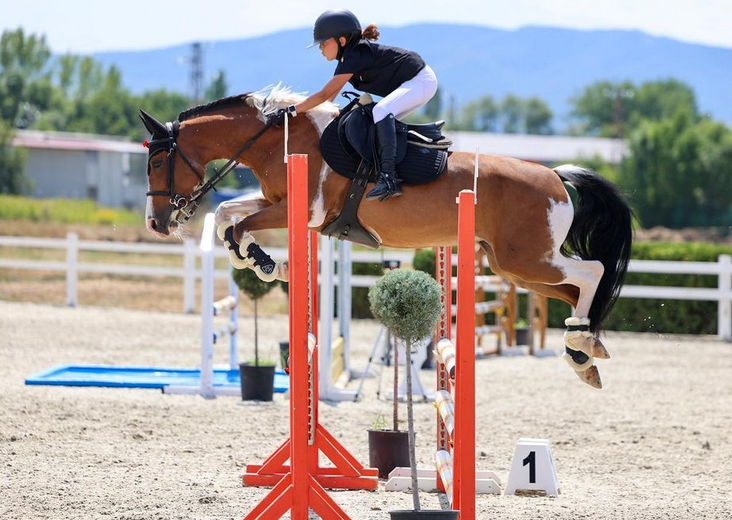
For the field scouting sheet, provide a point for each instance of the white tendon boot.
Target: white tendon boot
(248, 254)
(579, 343)
(578, 335)
(225, 233)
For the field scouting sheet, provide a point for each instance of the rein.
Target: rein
(186, 206)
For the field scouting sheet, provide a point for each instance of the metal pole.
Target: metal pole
(207, 311)
(72, 269)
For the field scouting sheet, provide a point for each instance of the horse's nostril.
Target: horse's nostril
(152, 224)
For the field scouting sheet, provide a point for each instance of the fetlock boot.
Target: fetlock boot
(388, 183)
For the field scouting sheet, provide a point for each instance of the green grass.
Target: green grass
(68, 211)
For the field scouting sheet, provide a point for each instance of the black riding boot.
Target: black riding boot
(388, 183)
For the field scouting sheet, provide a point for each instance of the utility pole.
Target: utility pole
(196, 78)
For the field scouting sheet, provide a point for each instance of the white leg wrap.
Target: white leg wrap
(233, 259)
(280, 270)
(582, 340)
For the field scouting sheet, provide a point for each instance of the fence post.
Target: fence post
(189, 276)
(724, 313)
(72, 268)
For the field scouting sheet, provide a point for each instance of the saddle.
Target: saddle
(348, 145)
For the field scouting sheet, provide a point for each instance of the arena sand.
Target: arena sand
(654, 443)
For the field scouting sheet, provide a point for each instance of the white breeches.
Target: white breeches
(409, 96)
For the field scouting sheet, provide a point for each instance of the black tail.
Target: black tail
(601, 230)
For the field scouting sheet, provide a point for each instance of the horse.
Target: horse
(526, 221)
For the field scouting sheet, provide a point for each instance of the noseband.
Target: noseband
(185, 207)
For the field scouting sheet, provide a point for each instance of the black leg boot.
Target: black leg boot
(388, 183)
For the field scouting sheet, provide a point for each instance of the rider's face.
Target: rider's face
(329, 49)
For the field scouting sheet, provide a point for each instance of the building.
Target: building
(113, 172)
(109, 170)
(545, 149)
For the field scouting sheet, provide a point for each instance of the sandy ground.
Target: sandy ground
(655, 443)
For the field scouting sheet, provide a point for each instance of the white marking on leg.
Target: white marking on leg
(585, 274)
(317, 209)
(240, 208)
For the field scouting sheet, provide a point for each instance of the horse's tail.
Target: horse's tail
(601, 230)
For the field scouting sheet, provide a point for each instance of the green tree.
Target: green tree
(538, 117)
(218, 87)
(513, 114)
(25, 84)
(615, 109)
(679, 172)
(658, 100)
(12, 179)
(433, 108)
(480, 115)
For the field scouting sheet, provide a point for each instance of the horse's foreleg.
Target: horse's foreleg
(237, 209)
(244, 252)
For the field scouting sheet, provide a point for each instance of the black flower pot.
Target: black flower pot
(522, 336)
(388, 450)
(427, 514)
(257, 382)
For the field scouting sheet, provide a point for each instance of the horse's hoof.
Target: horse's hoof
(580, 342)
(599, 351)
(591, 376)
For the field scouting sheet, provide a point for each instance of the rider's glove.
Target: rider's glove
(276, 118)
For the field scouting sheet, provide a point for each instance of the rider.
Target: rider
(401, 77)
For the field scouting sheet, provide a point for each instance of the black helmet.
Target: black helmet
(335, 23)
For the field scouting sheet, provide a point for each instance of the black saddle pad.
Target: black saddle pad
(415, 164)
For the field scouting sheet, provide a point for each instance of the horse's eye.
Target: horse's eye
(157, 164)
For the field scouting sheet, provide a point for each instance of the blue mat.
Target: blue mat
(140, 377)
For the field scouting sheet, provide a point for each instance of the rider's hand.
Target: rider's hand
(276, 118)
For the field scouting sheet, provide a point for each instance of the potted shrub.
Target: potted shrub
(257, 376)
(522, 331)
(408, 304)
(389, 448)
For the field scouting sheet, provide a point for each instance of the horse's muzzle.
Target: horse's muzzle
(159, 229)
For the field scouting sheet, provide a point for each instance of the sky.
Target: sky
(88, 26)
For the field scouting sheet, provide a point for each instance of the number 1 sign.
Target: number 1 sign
(533, 468)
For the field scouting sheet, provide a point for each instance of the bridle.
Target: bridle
(185, 207)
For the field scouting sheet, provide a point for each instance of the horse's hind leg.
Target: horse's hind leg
(534, 261)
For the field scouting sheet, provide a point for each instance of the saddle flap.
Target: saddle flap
(356, 127)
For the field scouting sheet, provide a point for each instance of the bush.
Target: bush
(407, 303)
(65, 211)
(656, 315)
(643, 315)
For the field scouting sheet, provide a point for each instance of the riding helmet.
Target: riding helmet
(335, 23)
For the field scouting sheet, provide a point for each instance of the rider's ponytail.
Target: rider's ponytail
(370, 33)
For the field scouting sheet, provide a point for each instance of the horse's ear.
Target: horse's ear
(155, 127)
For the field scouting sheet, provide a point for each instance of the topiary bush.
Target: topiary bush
(250, 284)
(407, 303)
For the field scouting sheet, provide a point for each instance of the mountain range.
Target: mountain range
(470, 61)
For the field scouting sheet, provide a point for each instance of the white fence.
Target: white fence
(722, 294)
